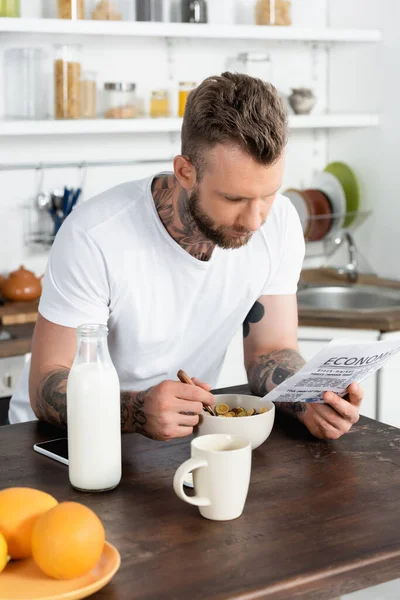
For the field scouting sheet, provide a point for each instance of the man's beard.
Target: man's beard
(220, 236)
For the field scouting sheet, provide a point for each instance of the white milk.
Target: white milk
(94, 426)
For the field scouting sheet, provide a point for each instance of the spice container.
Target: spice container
(67, 82)
(25, 84)
(273, 12)
(89, 95)
(120, 100)
(71, 9)
(159, 104)
(184, 90)
(10, 8)
(149, 10)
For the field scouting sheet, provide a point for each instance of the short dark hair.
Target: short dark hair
(234, 109)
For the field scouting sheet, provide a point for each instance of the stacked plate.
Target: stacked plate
(326, 205)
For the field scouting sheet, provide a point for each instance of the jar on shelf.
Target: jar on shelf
(71, 9)
(120, 100)
(25, 84)
(184, 90)
(10, 8)
(89, 95)
(273, 12)
(67, 82)
(159, 104)
(112, 10)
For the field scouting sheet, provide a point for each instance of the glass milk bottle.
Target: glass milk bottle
(94, 414)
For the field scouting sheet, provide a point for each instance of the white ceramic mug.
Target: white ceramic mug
(221, 465)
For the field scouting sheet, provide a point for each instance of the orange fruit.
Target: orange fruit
(19, 510)
(3, 552)
(68, 541)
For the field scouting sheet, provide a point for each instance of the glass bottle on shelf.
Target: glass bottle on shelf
(25, 84)
(184, 90)
(89, 95)
(273, 12)
(94, 414)
(71, 9)
(10, 8)
(67, 82)
(159, 104)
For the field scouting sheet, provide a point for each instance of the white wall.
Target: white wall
(165, 64)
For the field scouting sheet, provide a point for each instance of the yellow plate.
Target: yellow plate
(23, 579)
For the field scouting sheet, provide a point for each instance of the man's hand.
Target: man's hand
(170, 409)
(335, 418)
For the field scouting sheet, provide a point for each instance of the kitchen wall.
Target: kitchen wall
(168, 62)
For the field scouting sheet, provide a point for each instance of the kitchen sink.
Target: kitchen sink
(360, 298)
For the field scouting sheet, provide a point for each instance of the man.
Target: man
(174, 263)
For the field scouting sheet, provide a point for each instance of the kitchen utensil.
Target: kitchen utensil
(221, 466)
(300, 202)
(184, 378)
(256, 428)
(349, 183)
(321, 213)
(21, 285)
(302, 100)
(26, 84)
(332, 188)
(24, 579)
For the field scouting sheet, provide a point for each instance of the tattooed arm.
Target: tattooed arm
(271, 356)
(53, 352)
(270, 346)
(170, 409)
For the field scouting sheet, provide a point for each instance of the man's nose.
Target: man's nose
(253, 216)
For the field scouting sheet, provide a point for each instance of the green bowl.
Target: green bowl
(350, 186)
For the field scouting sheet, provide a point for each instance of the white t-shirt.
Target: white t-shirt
(114, 263)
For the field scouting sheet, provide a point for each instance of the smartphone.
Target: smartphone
(55, 449)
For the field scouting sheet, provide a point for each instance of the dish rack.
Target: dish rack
(333, 239)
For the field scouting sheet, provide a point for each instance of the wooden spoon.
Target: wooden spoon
(184, 378)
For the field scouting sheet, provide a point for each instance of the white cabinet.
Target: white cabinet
(313, 339)
(10, 371)
(388, 383)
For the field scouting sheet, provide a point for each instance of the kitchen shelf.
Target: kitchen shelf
(187, 30)
(171, 125)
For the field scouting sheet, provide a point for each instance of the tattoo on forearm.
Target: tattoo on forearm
(51, 397)
(133, 417)
(255, 316)
(269, 370)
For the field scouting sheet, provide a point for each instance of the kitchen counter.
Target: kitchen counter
(384, 321)
(18, 318)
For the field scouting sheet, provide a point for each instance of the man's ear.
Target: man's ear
(185, 172)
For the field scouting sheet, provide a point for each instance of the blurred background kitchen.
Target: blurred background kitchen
(93, 92)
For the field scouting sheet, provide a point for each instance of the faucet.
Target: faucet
(351, 269)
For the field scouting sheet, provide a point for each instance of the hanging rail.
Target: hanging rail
(80, 164)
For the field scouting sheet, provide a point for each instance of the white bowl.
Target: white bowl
(256, 428)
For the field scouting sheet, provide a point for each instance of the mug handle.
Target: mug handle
(180, 477)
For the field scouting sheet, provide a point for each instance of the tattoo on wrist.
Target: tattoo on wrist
(51, 397)
(255, 315)
(133, 417)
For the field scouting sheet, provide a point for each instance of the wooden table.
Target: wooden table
(322, 519)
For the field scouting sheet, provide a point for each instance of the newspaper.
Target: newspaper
(333, 369)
